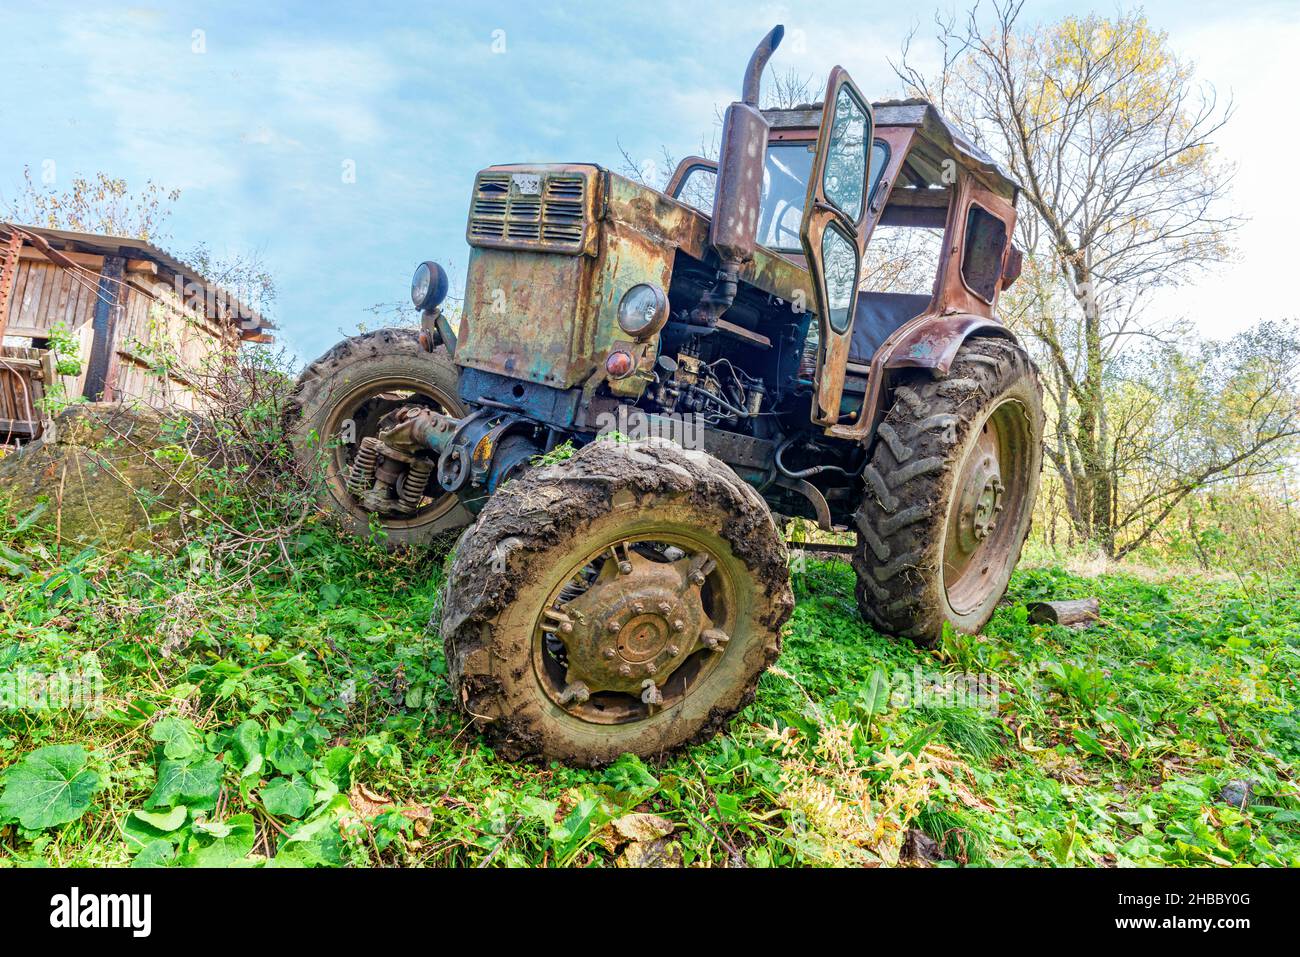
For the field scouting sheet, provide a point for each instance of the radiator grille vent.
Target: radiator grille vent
(530, 210)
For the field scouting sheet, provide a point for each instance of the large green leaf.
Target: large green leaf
(179, 782)
(138, 833)
(287, 797)
(247, 739)
(157, 853)
(286, 752)
(50, 786)
(230, 850)
(163, 820)
(178, 737)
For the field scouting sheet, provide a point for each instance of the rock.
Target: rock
(107, 474)
(1238, 793)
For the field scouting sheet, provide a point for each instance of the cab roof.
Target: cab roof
(943, 139)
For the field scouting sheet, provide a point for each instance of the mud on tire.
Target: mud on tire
(908, 581)
(384, 359)
(530, 532)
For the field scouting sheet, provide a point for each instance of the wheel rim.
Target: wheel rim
(988, 501)
(364, 406)
(635, 626)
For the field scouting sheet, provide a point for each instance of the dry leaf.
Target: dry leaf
(657, 853)
(642, 827)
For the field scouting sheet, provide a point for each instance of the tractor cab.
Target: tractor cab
(945, 214)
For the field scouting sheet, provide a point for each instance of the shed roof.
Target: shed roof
(252, 325)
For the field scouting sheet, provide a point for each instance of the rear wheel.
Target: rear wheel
(950, 492)
(338, 403)
(626, 600)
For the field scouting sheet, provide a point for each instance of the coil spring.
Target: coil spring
(808, 358)
(361, 476)
(416, 481)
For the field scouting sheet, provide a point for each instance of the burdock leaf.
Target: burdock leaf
(50, 786)
(164, 821)
(180, 783)
(177, 736)
(287, 797)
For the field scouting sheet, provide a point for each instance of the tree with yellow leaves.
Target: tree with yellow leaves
(1124, 190)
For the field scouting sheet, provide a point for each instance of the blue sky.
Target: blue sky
(259, 115)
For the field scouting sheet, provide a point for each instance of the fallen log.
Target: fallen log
(1079, 613)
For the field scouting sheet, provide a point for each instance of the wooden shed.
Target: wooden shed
(141, 319)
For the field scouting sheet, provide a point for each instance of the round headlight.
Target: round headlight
(643, 311)
(428, 286)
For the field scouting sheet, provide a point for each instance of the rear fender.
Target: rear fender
(931, 342)
(927, 342)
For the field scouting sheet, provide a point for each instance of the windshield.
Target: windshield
(785, 185)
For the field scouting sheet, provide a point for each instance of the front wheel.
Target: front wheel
(341, 399)
(950, 493)
(626, 600)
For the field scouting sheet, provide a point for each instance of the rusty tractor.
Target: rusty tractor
(641, 386)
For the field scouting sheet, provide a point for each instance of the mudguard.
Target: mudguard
(931, 342)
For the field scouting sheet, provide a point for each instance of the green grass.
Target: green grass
(302, 717)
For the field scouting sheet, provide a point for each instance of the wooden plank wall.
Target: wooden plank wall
(46, 294)
(151, 319)
(155, 320)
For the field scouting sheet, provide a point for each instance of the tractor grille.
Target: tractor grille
(514, 210)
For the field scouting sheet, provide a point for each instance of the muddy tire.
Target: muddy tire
(516, 638)
(949, 493)
(349, 383)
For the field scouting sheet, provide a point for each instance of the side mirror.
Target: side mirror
(833, 234)
(1014, 266)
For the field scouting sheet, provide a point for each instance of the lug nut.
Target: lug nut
(650, 667)
(665, 607)
(715, 639)
(697, 578)
(609, 652)
(678, 624)
(625, 670)
(613, 628)
(625, 568)
(673, 651)
(638, 607)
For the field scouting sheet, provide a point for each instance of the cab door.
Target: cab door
(833, 232)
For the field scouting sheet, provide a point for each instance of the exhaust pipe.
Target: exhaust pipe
(739, 191)
(754, 72)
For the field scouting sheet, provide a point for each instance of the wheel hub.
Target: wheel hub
(637, 623)
(981, 501)
(991, 486)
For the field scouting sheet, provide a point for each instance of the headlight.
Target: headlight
(428, 286)
(643, 311)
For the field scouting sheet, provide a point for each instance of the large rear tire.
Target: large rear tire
(950, 493)
(588, 589)
(339, 400)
